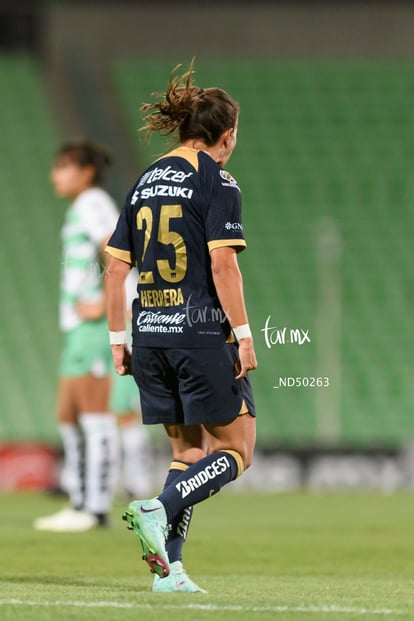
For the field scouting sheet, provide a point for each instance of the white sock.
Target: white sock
(101, 460)
(71, 477)
(137, 466)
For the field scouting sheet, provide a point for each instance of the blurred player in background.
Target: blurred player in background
(87, 428)
(136, 461)
(181, 223)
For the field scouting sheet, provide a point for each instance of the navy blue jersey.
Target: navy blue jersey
(181, 208)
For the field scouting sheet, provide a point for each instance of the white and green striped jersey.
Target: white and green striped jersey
(88, 222)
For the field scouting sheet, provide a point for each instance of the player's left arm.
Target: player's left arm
(229, 286)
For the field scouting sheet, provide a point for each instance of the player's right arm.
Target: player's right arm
(115, 275)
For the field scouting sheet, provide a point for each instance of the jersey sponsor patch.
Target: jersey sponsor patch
(230, 181)
(234, 226)
(162, 190)
(168, 174)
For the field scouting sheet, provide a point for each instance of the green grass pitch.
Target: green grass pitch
(287, 557)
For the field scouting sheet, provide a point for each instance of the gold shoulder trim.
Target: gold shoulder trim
(187, 153)
(122, 255)
(223, 243)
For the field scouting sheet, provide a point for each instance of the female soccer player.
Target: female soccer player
(88, 430)
(181, 224)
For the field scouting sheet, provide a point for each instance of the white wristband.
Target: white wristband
(117, 338)
(242, 332)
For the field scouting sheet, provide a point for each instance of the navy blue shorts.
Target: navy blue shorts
(190, 386)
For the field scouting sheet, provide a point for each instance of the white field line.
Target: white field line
(205, 607)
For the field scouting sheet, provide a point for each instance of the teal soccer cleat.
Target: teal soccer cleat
(148, 520)
(176, 582)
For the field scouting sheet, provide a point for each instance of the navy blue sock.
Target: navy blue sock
(181, 522)
(200, 481)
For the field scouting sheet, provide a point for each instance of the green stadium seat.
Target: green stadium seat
(29, 270)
